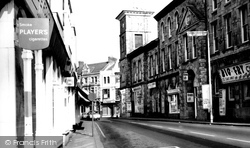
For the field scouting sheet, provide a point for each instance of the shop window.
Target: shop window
(173, 103)
(234, 92)
(246, 91)
(106, 93)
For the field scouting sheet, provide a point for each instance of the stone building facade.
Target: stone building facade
(229, 38)
(183, 68)
(135, 31)
(176, 69)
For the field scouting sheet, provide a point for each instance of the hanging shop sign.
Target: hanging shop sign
(33, 33)
(69, 81)
(235, 73)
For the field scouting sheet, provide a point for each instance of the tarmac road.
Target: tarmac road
(140, 134)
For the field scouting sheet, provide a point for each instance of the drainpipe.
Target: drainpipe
(27, 57)
(39, 94)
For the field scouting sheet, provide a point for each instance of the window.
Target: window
(177, 53)
(92, 79)
(104, 80)
(244, 24)
(151, 66)
(170, 56)
(246, 91)
(138, 40)
(123, 48)
(95, 80)
(169, 27)
(86, 80)
(228, 31)
(123, 73)
(163, 59)
(162, 32)
(227, 1)
(106, 93)
(214, 5)
(185, 42)
(194, 49)
(214, 37)
(108, 80)
(176, 20)
(140, 70)
(156, 63)
(134, 71)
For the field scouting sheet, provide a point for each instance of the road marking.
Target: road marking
(100, 130)
(202, 134)
(175, 129)
(158, 126)
(238, 140)
(139, 123)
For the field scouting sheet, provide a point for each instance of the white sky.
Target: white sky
(97, 29)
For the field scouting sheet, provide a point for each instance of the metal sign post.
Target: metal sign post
(206, 33)
(92, 97)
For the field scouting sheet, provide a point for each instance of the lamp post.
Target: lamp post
(206, 33)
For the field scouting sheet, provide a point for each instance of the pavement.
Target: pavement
(83, 138)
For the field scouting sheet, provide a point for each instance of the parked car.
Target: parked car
(84, 115)
(96, 115)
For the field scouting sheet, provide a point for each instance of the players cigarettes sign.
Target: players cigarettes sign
(33, 33)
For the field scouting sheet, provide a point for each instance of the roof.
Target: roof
(134, 12)
(142, 49)
(172, 5)
(97, 67)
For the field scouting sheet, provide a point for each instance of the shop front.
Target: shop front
(138, 100)
(173, 97)
(234, 93)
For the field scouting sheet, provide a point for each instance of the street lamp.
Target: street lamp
(206, 33)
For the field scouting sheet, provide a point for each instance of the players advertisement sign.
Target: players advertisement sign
(33, 33)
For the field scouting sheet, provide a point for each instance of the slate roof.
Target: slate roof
(97, 67)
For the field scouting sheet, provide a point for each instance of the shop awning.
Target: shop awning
(83, 94)
(85, 99)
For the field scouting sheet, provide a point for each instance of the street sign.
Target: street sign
(33, 33)
(196, 33)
